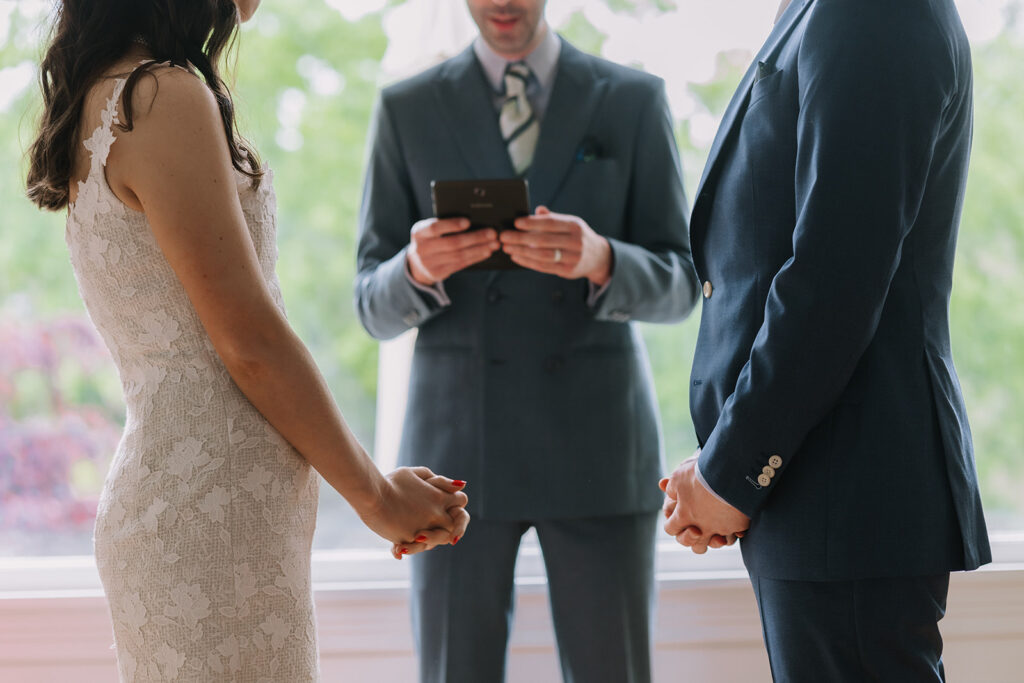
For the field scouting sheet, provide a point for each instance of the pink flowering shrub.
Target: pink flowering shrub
(60, 421)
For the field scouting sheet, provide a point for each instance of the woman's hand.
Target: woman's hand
(428, 539)
(413, 502)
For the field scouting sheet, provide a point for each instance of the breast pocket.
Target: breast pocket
(764, 87)
(594, 191)
(768, 144)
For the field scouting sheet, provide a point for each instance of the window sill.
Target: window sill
(707, 621)
(370, 570)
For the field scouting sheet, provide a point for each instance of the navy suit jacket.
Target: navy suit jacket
(825, 227)
(544, 403)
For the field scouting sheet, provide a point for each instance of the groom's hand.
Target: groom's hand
(697, 518)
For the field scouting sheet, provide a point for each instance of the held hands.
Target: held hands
(559, 244)
(413, 504)
(696, 518)
(439, 247)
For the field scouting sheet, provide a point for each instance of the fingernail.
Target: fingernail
(456, 540)
(459, 483)
(420, 539)
(403, 551)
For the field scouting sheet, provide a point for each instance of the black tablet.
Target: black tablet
(492, 203)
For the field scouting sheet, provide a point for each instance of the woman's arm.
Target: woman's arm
(175, 164)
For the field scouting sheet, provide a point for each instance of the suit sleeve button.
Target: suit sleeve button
(775, 462)
(767, 470)
(764, 480)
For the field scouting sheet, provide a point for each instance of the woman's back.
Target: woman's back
(205, 524)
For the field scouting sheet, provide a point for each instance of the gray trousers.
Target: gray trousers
(601, 588)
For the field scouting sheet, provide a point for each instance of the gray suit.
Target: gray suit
(541, 401)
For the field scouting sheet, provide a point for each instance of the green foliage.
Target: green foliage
(305, 72)
(715, 94)
(987, 315)
(306, 82)
(29, 239)
(633, 6)
(582, 33)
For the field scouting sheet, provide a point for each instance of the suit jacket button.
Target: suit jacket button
(767, 469)
(708, 289)
(775, 462)
(553, 363)
(764, 480)
(493, 295)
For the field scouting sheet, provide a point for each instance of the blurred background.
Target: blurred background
(306, 77)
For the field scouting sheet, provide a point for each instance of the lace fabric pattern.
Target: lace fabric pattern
(205, 522)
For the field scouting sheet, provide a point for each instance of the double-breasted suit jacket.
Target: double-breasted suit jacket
(542, 400)
(823, 389)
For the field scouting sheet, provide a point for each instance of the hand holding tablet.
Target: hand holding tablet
(494, 204)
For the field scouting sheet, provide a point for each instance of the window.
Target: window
(308, 75)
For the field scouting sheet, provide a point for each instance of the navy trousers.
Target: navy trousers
(884, 630)
(601, 588)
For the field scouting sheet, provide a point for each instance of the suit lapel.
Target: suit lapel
(467, 101)
(575, 96)
(779, 33)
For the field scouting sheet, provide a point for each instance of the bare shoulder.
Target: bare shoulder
(168, 97)
(176, 134)
(174, 112)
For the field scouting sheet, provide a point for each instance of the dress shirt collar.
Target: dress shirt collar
(543, 61)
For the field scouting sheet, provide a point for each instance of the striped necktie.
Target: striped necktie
(519, 127)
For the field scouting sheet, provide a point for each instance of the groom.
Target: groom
(823, 392)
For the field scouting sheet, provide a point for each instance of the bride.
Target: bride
(206, 519)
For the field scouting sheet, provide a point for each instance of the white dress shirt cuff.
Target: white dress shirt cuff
(704, 483)
(436, 290)
(595, 292)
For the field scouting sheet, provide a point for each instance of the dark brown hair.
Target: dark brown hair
(88, 37)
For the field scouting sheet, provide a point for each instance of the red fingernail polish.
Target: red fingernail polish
(420, 539)
(456, 540)
(459, 483)
(404, 551)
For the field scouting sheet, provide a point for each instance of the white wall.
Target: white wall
(708, 631)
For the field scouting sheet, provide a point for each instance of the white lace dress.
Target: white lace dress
(206, 519)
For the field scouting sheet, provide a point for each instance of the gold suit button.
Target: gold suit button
(775, 462)
(767, 469)
(764, 480)
(708, 289)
